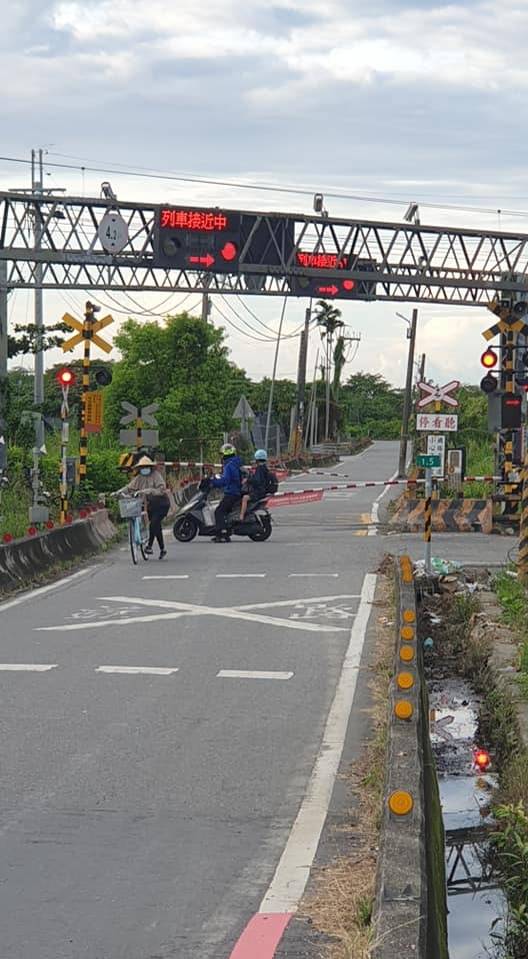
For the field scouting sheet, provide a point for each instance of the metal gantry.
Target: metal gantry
(407, 262)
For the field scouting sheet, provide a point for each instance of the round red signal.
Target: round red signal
(348, 285)
(482, 759)
(65, 377)
(229, 251)
(489, 359)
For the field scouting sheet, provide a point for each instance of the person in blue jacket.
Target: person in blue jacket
(231, 483)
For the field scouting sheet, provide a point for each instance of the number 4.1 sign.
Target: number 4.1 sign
(436, 444)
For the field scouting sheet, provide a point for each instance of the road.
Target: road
(161, 739)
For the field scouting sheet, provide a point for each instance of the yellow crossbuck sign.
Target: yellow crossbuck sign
(86, 332)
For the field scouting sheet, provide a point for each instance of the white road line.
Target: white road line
(374, 516)
(27, 667)
(241, 575)
(300, 601)
(252, 674)
(289, 882)
(179, 576)
(298, 575)
(35, 594)
(136, 670)
(184, 609)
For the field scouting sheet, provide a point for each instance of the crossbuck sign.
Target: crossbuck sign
(437, 394)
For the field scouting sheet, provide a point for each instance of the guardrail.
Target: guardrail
(409, 919)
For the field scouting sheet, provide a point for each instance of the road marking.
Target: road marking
(179, 576)
(374, 516)
(252, 674)
(136, 670)
(300, 601)
(289, 882)
(184, 609)
(35, 594)
(241, 575)
(291, 575)
(27, 667)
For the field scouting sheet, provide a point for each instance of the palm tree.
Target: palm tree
(328, 318)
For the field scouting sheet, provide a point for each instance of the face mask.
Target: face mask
(145, 471)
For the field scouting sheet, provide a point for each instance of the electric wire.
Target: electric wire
(269, 339)
(258, 339)
(121, 170)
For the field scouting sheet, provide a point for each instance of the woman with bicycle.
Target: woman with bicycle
(151, 484)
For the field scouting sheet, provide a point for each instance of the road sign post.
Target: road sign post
(244, 413)
(428, 517)
(86, 333)
(65, 379)
(140, 416)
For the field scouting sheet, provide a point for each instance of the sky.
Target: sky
(389, 102)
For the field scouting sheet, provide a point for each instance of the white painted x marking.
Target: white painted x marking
(192, 609)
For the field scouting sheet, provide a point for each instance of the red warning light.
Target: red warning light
(65, 377)
(348, 285)
(482, 759)
(229, 251)
(489, 359)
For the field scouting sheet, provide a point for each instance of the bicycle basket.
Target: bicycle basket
(129, 508)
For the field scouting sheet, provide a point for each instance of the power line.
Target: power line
(258, 339)
(268, 188)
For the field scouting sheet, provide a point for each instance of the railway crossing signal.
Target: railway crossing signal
(87, 333)
(140, 416)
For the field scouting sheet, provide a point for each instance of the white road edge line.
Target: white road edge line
(374, 516)
(42, 590)
(27, 667)
(252, 674)
(288, 884)
(133, 670)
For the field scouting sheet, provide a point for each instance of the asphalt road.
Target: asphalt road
(152, 774)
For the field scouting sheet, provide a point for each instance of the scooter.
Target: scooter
(197, 518)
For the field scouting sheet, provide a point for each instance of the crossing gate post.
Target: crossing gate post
(428, 517)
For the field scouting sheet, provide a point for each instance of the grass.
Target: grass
(514, 602)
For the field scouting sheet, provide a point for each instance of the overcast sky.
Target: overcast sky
(398, 101)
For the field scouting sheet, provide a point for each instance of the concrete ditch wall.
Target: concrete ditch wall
(25, 560)
(410, 916)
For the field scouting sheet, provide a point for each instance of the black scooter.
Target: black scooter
(197, 518)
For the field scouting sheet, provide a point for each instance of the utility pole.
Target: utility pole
(407, 399)
(206, 307)
(3, 364)
(37, 186)
(273, 375)
(296, 440)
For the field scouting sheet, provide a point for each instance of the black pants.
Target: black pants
(224, 507)
(156, 514)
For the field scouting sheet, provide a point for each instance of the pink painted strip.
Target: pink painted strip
(261, 936)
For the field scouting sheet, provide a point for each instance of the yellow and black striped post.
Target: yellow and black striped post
(509, 386)
(87, 338)
(64, 458)
(428, 518)
(522, 561)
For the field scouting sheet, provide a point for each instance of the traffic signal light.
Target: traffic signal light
(65, 377)
(197, 239)
(334, 287)
(489, 358)
(488, 383)
(103, 376)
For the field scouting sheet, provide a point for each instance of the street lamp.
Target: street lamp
(409, 324)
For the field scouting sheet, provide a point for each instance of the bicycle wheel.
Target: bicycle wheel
(132, 540)
(143, 535)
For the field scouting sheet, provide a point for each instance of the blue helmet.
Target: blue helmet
(261, 455)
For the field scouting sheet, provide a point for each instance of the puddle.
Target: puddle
(475, 904)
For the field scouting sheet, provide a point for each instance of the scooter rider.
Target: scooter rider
(256, 483)
(231, 483)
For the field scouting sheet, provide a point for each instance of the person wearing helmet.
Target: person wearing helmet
(257, 482)
(231, 483)
(150, 482)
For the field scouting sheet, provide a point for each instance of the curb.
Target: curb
(25, 559)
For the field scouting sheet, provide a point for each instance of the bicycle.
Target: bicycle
(133, 509)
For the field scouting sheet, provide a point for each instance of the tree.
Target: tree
(183, 365)
(328, 317)
(284, 394)
(372, 406)
(29, 339)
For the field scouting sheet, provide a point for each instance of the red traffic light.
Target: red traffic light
(489, 359)
(229, 251)
(348, 285)
(65, 377)
(482, 759)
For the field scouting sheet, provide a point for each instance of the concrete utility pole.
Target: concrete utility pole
(407, 399)
(3, 362)
(206, 307)
(273, 375)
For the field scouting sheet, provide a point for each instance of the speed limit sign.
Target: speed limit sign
(113, 232)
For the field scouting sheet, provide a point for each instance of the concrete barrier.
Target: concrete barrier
(449, 515)
(25, 560)
(409, 917)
